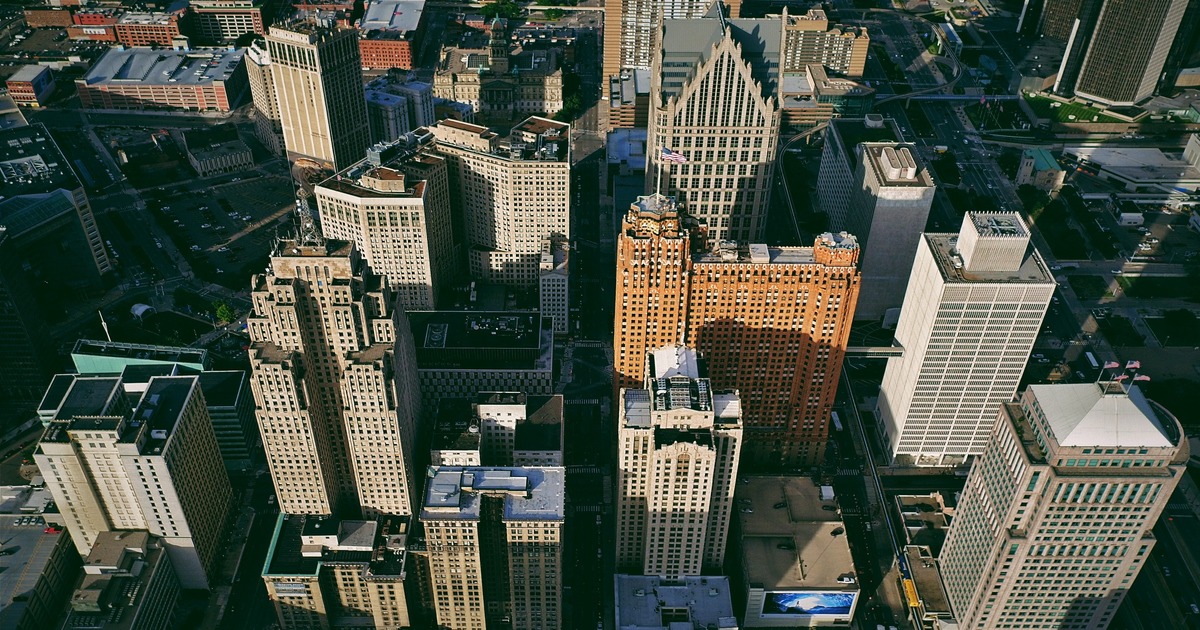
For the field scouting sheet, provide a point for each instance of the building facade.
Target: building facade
(808, 39)
(217, 21)
(887, 214)
(973, 309)
(155, 467)
(719, 119)
(630, 25)
(318, 83)
(148, 78)
(31, 86)
(323, 572)
(678, 442)
(1126, 51)
(494, 540)
(554, 295)
(334, 382)
(260, 74)
(1067, 491)
(398, 216)
(840, 157)
(148, 29)
(771, 322)
(512, 193)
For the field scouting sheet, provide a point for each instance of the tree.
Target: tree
(501, 8)
(1033, 199)
(223, 312)
(554, 14)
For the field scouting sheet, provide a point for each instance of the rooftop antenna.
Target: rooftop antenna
(307, 230)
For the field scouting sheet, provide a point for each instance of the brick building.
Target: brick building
(144, 29)
(142, 78)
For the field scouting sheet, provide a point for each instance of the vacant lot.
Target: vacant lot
(1172, 288)
(1176, 328)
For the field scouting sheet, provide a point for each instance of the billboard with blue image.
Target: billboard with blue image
(797, 603)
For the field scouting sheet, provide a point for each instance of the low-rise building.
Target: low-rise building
(389, 31)
(554, 284)
(1039, 169)
(39, 564)
(321, 572)
(31, 86)
(811, 97)
(790, 556)
(923, 591)
(215, 150)
(47, 17)
(646, 602)
(629, 99)
(218, 21)
(460, 354)
(926, 519)
(457, 440)
(146, 78)
(129, 583)
(1144, 171)
(146, 29)
(98, 24)
(499, 82)
(520, 430)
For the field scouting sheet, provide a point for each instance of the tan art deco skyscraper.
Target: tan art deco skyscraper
(772, 323)
(334, 379)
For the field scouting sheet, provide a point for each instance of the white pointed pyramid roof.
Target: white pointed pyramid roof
(1085, 414)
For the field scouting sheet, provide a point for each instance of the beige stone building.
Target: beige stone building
(396, 210)
(155, 466)
(321, 572)
(494, 540)
(678, 444)
(499, 82)
(1054, 523)
(809, 39)
(714, 107)
(513, 193)
(319, 87)
(334, 382)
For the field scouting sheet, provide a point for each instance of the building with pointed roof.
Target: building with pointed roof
(1066, 493)
(713, 102)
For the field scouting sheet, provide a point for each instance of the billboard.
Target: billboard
(803, 603)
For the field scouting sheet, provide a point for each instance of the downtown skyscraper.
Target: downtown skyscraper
(317, 73)
(1054, 523)
(772, 323)
(974, 305)
(678, 444)
(714, 108)
(334, 378)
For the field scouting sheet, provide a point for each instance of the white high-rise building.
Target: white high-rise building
(155, 466)
(1054, 523)
(395, 207)
(714, 106)
(893, 194)
(260, 73)
(512, 193)
(679, 443)
(630, 25)
(973, 309)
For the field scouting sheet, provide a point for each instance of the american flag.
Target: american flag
(668, 155)
(1141, 377)
(1133, 365)
(1111, 365)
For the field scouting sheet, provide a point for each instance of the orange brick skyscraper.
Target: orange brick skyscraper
(771, 322)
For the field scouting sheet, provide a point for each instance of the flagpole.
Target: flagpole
(658, 184)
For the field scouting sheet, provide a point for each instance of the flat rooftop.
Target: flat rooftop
(530, 494)
(445, 330)
(150, 66)
(456, 428)
(897, 165)
(31, 162)
(801, 544)
(851, 132)
(1033, 268)
(89, 397)
(542, 429)
(1146, 165)
(927, 579)
(159, 411)
(142, 353)
(27, 551)
(379, 545)
(222, 387)
(652, 603)
(32, 212)
(392, 15)
(28, 73)
(735, 252)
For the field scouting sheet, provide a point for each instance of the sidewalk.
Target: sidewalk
(224, 581)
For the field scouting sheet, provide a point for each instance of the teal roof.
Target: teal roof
(1042, 160)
